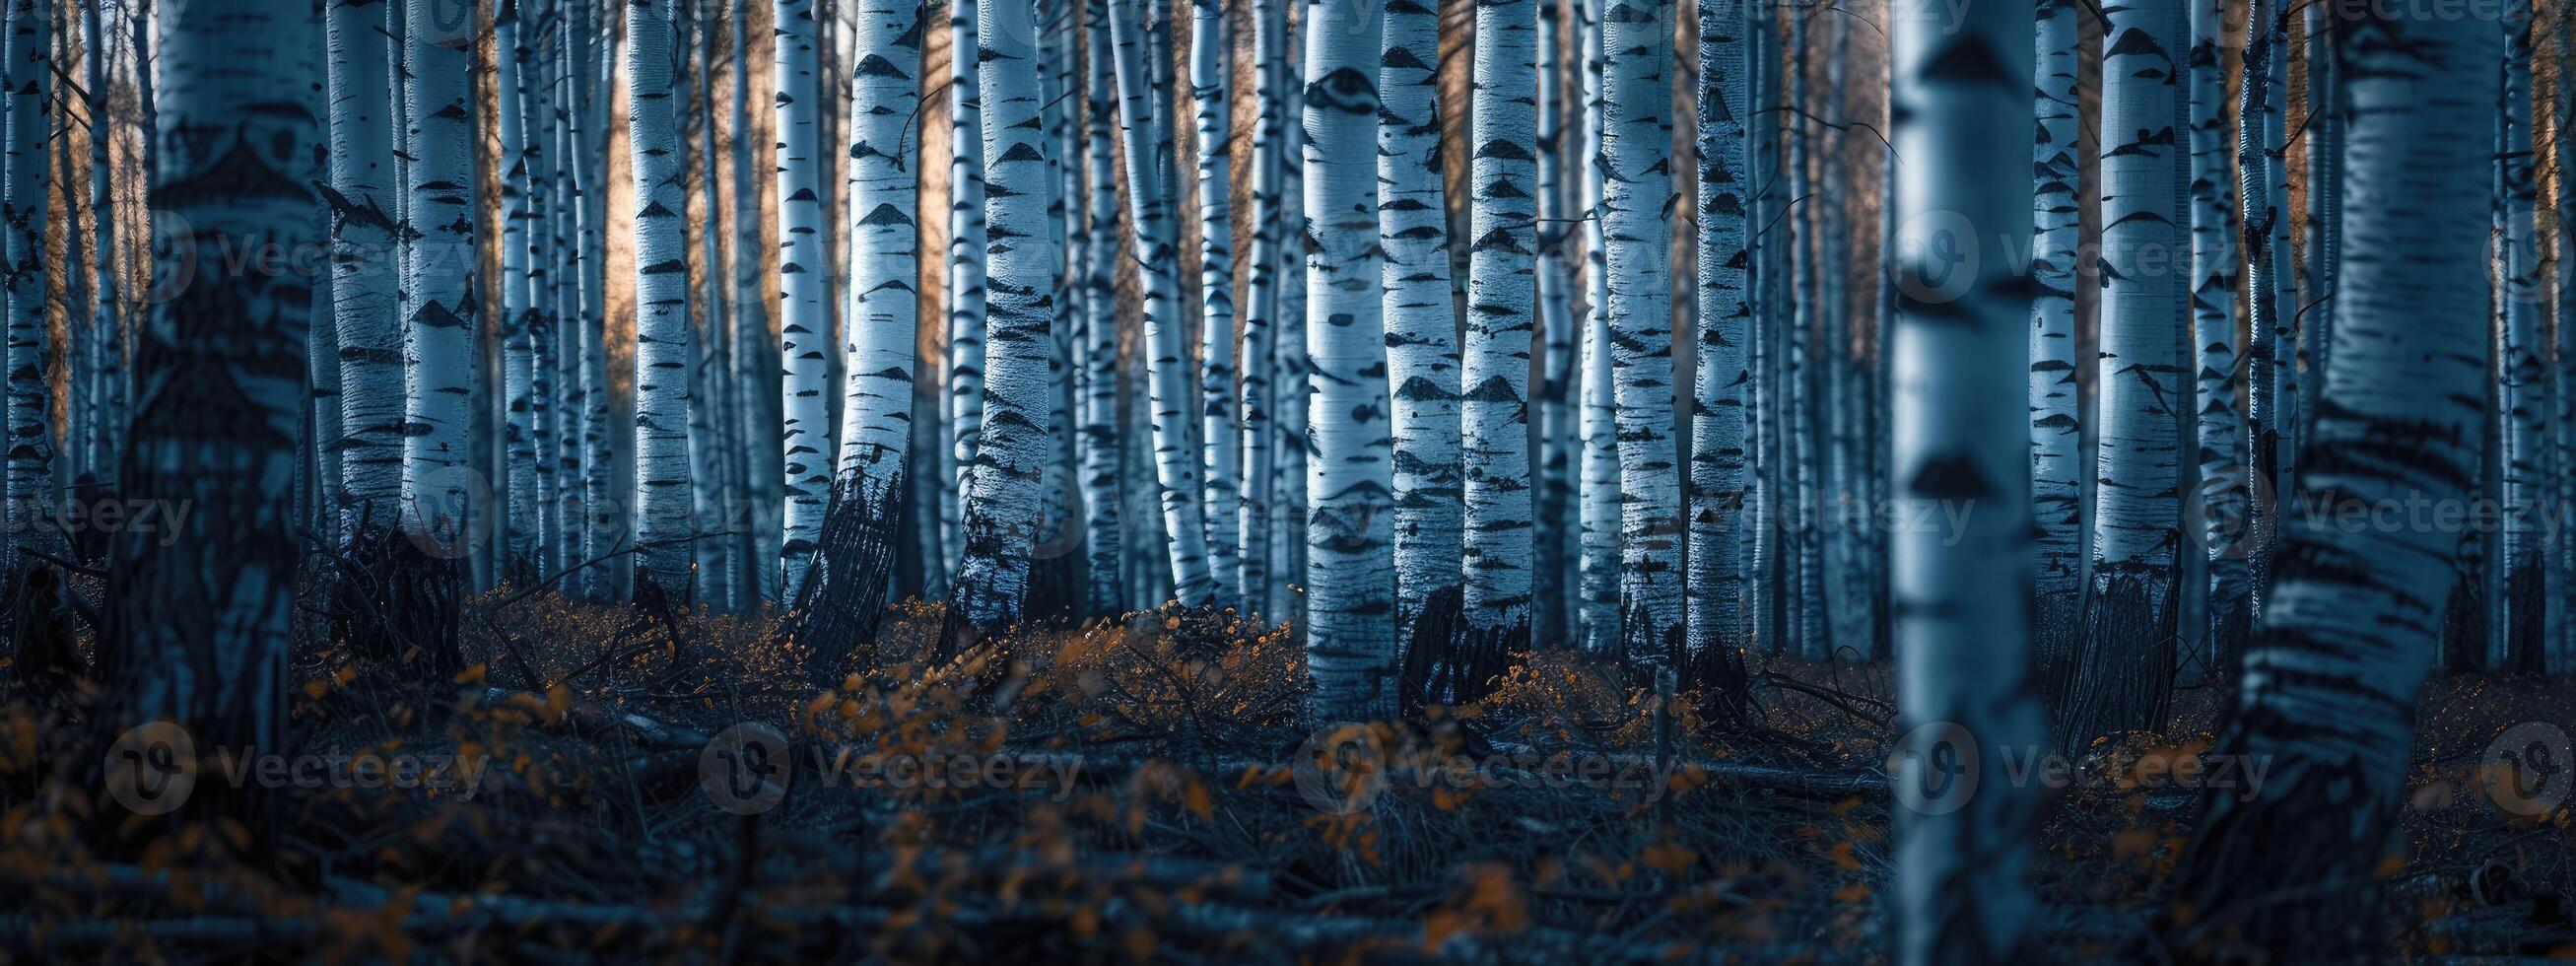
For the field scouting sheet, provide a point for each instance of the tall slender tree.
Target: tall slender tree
(1636, 158)
(30, 345)
(966, 296)
(1350, 638)
(2121, 679)
(804, 330)
(1501, 313)
(1254, 517)
(1715, 585)
(1959, 102)
(2055, 464)
(844, 589)
(512, 66)
(105, 409)
(2331, 679)
(1421, 328)
(2220, 430)
(1096, 443)
(197, 621)
(1219, 461)
(1149, 205)
(441, 492)
(1012, 456)
(1553, 502)
(664, 528)
(364, 266)
(2517, 608)
(1599, 557)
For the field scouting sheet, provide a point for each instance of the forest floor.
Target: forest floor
(686, 789)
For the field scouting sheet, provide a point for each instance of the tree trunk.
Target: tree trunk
(1012, 456)
(1421, 324)
(2222, 497)
(30, 394)
(1714, 597)
(1097, 350)
(1636, 160)
(198, 620)
(2122, 678)
(363, 262)
(2514, 590)
(1960, 105)
(1258, 512)
(966, 296)
(1351, 642)
(1501, 310)
(1554, 500)
(2289, 871)
(663, 519)
(1599, 567)
(518, 321)
(804, 330)
(2055, 438)
(1222, 487)
(1150, 210)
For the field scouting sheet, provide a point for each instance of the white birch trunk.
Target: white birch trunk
(1636, 161)
(1502, 309)
(2221, 503)
(1421, 321)
(1257, 514)
(517, 323)
(30, 393)
(1219, 460)
(2514, 585)
(2055, 464)
(1960, 103)
(442, 494)
(1553, 502)
(364, 266)
(1150, 210)
(804, 330)
(966, 295)
(664, 523)
(198, 619)
(1350, 583)
(2120, 680)
(1599, 565)
(1096, 352)
(1714, 596)
(2333, 676)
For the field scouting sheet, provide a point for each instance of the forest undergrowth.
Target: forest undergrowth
(1133, 790)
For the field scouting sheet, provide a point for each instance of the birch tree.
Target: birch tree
(1219, 460)
(1713, 595)
(2220, 429)
(1149, 209)
(1558, 449)
(844, 589)
(804, 329)
(1350, 638)
(1421, 327)
(663, 522)
(1011, 457)
(1501, 312)
(364, 266)
(197, 620)
(1636, 156)
(2121, 679)
(1599, 558)
(1959, 106)
(1263, 281)
(1096, 443)
(30, 393)
(518, 306)
(2516, 609)
(439, 486)
(966, 296)
(2332, 677)
(2055, 486)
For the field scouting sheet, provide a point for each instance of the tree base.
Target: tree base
(835, 612)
